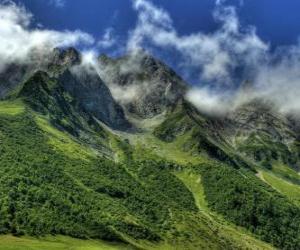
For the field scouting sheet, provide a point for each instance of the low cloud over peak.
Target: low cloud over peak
(215, 55)
(223, 59)
(18, 39)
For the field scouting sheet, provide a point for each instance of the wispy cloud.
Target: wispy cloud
(18, 40)
(108, 40)
(216, 55)
(58, 3)
(219, 55)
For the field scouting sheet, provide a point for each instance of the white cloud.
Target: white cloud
(108, 39)
(276, 82)
(215, 55)
(208, 101)
(279, 80)
(58, 3)
(218, 55)
(18, 40)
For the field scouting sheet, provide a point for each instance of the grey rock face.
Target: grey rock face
(85, 85)
(17, 73)
(11, 78)
(263, 134)
(82, 82)
(93, 95)
(144, 86)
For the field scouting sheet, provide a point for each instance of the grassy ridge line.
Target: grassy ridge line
(9, 242)
(11, 108)
(290, 190)
(62, 142)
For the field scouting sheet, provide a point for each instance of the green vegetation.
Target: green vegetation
(55, 192)
(286, 173)
(260, 147)
(186, 128)
(62, 141)
(246, 201)
(290, 190)
(237, 236)
(179, 186)
(11, 108)
(57, 243)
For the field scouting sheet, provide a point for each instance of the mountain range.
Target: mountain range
(112, 150)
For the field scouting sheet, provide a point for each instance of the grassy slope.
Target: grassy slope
(226, 195)
(11, 108)
(290, 190)
(245, 200)
(284, 179)
(56, 243)
(204, 228)
(239, 236)
(189, 230)
(232, 236)
(68, 177)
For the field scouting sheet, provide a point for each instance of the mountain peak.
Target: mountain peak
(69, 56)
(142, 84)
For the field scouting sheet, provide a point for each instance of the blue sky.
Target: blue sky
(277, 21)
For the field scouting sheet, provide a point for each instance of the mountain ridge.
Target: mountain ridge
(175, 178)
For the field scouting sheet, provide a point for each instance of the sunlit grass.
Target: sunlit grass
(286, 172)
(63, 142)
(152, 147)
(290, 190)
(9, 242)
(11, 108)
(238, 236)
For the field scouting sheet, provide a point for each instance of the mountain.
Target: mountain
(264, 135)
(113, 151)
(144, 85)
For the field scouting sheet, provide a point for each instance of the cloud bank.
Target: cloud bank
(108, 40)
(219, 56)
(214, 55)
(19, 40)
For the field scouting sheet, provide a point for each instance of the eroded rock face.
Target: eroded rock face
(17, 73)
(12, 76)
(82, 82)
(260, 132)
(144, 86)
(93, 96)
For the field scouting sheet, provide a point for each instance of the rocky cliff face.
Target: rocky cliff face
(93, 96)
(143, 85)
(263, 134)
(11, 78)
(80, 81)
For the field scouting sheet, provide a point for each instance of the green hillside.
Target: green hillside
(80, 171)
(53, 184)
(57, 243)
